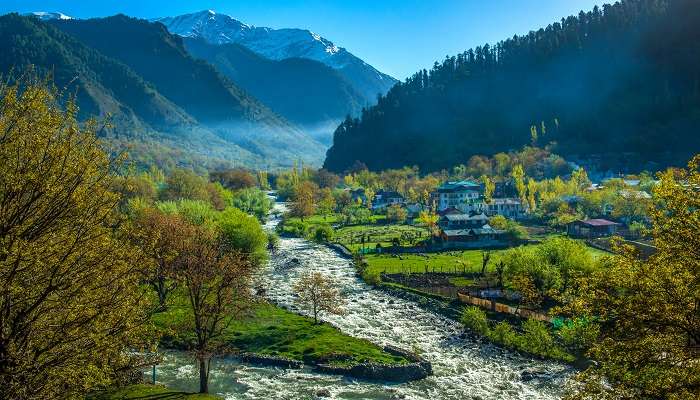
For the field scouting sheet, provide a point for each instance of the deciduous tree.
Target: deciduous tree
(217, 282)
(648, 309)
(318, 293)
(69, 299)
(304, 200)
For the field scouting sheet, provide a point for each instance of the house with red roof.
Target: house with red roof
(591, 228)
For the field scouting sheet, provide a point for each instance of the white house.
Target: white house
(464, 195)
(383, 199)
(509, 208)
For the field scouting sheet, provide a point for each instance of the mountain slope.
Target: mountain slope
(306, 92)
(619, 85)
(281, 44)
(195, 86)
(102, 85)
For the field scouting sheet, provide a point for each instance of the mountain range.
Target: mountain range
(181, 99)
(617, 87)
(299, 88)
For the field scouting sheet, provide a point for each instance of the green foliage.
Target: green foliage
(272, 330)
(243, 232)
(474, 318)
(551, 266)
(253, 201)
(483, 100)
(355, 214)
(536, 338)
(185, 184)
(372, 277)
(579, 334)
(134, 392)
(514, 230)
(198, 212)
(324, 233)
(71, 303)
(525, 261)
(396, 214)
(503, 334)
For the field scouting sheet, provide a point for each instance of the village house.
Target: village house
(468, 231)
(454, 221)
(591, 228)
(457, 194)
(509, 208)
(384, 199)
(483, 236)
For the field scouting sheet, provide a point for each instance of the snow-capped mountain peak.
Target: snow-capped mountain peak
(47, 16)
(280, 44)
(276, 44)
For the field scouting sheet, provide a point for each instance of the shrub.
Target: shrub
(295, 227)
(504, 335)
(323, 233)
(536, 338)
(475, 320)
(371, 277)
(579, 334)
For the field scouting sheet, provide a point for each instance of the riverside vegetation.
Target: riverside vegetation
(102, 263)
(584, 290)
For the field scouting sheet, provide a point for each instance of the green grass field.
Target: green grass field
(274, 331)
(351, 236)
(456, 262)
(150, 392)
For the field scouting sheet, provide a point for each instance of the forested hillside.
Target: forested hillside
(195, 85)
(164, 105)
(619, 85)
(306, 92)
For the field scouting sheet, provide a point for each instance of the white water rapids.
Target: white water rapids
(463, 368)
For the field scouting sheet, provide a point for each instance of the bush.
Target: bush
(504, 335)
(579, 334)
(295, 227)
(475, 320)
(536, 338)
(371, 277)
(273, 241)
(323, 233)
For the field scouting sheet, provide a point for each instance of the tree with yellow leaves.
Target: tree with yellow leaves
(430, 220)
(70, 304)
(489, 188)
(531, 191)
(649, 310)
(518, 175)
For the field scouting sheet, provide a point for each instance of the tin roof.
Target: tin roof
(598, 222)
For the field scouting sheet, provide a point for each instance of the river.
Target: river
(463, 368)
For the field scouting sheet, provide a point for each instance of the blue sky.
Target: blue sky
(396, 36)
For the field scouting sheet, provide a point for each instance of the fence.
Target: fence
(502, 308)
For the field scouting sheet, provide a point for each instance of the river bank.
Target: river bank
(273, 336)
(463, 367)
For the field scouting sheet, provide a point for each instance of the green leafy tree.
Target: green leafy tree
(70, 300)
(648, 308)
(326, 202)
